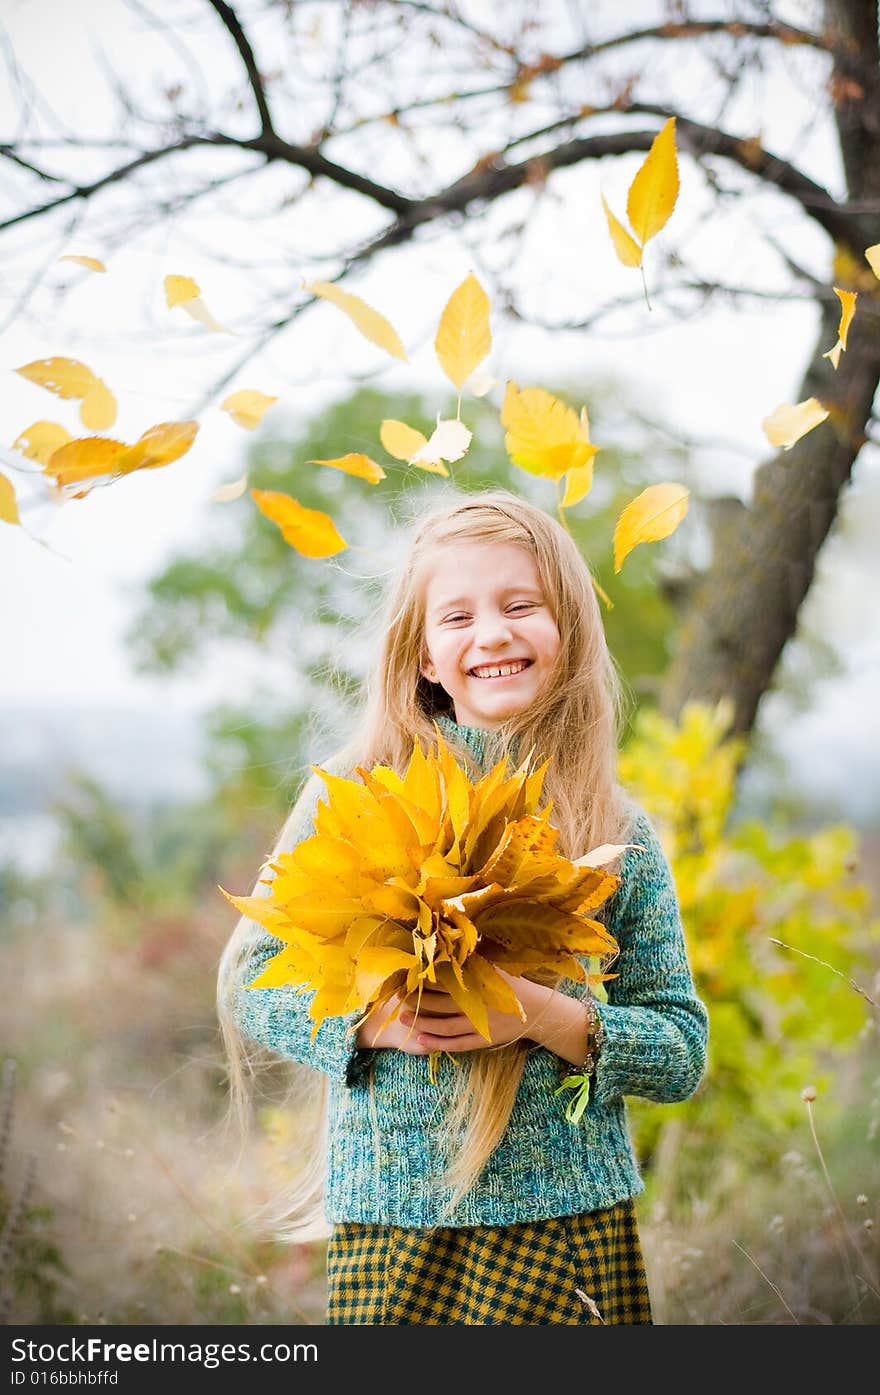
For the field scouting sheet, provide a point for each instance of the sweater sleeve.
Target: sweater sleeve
(278, 1018)
(655, 1027)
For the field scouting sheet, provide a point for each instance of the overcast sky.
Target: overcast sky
(71, 578)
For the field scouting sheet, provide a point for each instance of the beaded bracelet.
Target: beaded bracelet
(580, 1080)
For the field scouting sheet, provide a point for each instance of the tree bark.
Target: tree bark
(743, 610)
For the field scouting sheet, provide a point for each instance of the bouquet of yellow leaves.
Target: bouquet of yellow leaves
(427, 878)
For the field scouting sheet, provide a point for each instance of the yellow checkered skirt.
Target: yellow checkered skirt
(585, 1269)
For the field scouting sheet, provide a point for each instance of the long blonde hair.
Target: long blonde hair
(575, 722)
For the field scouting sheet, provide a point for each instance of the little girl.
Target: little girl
(467, 1193)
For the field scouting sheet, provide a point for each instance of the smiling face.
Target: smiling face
(490, 639)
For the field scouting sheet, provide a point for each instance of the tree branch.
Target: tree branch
(230, 20)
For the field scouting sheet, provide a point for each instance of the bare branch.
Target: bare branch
(231, 21)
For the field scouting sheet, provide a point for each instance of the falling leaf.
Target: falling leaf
(400, 440)
(652, 515)
(8, 505)
(98, 408)
(158, 446)
(40, 439)
(92, 263)
(227, 492)
(311, 532)
(544, 435)
(790, 422)
(247, 407)
(92, 456)
(872, 256)
(463, 336)
(628, 250)
(179, 289)
(847, 310)
(653, 192)
(68, 378)
(370, 323)
(183, 291)
(84, 458)
(354, 464)
(449, 441)
(578, 483)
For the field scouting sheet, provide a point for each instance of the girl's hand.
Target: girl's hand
(440, 1025)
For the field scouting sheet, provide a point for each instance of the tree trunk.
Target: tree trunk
(744, 608)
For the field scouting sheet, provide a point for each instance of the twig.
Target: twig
(768, 1281)
(852, 983)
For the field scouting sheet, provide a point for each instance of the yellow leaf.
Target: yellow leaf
(627, 249)
(159, 446)
(354, 464)
(578, 482)
(847, 310)
(463, 336)
(179, 289)
(872, 256)
(310, 532)
(400, 440)
(247, 407)
(8, 505)
(449, 441)
(92, 263)
(371, 324)
(788, 423)
(67, 377)
(98, 408)
(544, 435)
(84, 458)
(654, 190)
(652, 515)
(227, 492)
(40, 439)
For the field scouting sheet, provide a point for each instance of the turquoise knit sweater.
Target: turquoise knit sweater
(655, 1037)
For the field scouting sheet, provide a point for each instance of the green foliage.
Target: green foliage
(778, 1020)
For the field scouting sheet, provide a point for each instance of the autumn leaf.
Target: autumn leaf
(628, 250)
(8, 504)
(227, 492)
(355, 464)
(179, 289)
(92, 263)
(872, 256)
(85, 458)
(463, 336)
(160, 445)
(448, 441)
(247, 407)
(788, 423)
(184, 292)
(371, 324)
(91, 457)
(424, 878)
(310, 532)
(39, 440)
(651, 197)
(653, 193)
(652, 515)
(400, 440)
(545, 436)
(69, 378)
(847, 310)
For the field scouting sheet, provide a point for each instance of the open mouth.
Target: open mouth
(507, 670)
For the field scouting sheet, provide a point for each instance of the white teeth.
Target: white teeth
(500, 670)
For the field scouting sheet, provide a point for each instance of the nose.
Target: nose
(492, 631)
